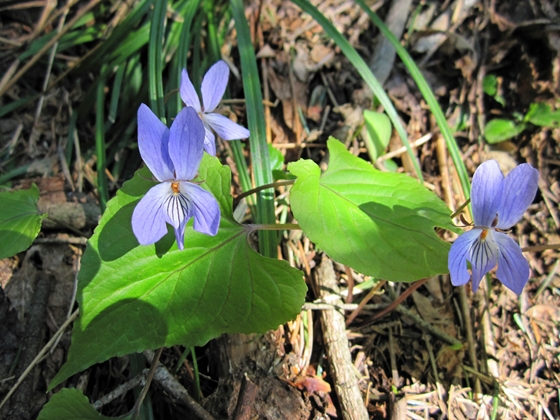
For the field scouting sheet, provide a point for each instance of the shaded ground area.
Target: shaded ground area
(484, 60)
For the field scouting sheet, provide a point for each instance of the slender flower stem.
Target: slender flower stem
(284, 226)
(263, 187)
(460, 209)
(538, 248)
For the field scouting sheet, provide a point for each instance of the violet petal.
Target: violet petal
(214, 85)
(513, 269)
(457, 260)
(205, 208)
(226, 128)
(486, 193)
(519, 190)
(148, 217)
(153, 138)
(188, 92)
(483, 256)
(186, 143)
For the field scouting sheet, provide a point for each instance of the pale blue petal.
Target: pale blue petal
(153, 138)
(188, 92)
(483, 256)
(486, 193)
(148, 217)
(178, 208)
(214, 85)
(180, 234)
(520, 187)
(225, 128)
(457, 260)
(205, 208)
(209, 141)
(513, 268)
(186, 143)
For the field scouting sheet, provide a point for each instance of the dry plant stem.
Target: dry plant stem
(538, 248)
(121, 390)
(32, 143)
(260, 188)
(34, 327)
(350, 281)
(441, 150)
(466, 310)
(154, 362)
(336, 346)
(164, 379)
(393, 359)
(40, 356)
(400, 299)
(79, 14)
(426, 326)
(364, 301)
(402, 150)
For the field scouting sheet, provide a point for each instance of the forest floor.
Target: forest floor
(483, 60)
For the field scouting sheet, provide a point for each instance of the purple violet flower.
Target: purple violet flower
(497, 203)
(173, 155)
(213, 87)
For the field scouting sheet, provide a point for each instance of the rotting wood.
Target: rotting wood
(337, 349)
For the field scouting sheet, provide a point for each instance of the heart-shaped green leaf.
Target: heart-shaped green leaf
(381, 224)
(20, 220)
(135, 297)
(71, 404)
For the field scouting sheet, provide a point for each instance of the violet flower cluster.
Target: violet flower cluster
(174, 155)
(497, 204)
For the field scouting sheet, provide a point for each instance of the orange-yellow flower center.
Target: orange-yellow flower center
(484, 234)
(175, 187)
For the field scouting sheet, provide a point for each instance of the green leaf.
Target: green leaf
(490, 84)
(381, 224)
(71, 404)
(379, 132)
(20, 220)
(498, 130)
(135, 297)
(541, 114)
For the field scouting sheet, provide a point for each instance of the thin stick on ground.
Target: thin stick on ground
(336, 346)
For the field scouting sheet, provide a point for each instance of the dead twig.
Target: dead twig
(336, 346)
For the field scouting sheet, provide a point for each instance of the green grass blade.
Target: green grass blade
(428, 96)
(155, 60)
(180, 58)
(115, 95)
(102, 188)
(365, 72)
(113, 47)
(255, 115)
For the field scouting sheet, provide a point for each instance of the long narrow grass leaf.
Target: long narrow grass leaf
(260, 158)
(365, 72)
(102, 188)
(180, 58)
(155, 61)
(428, 96)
